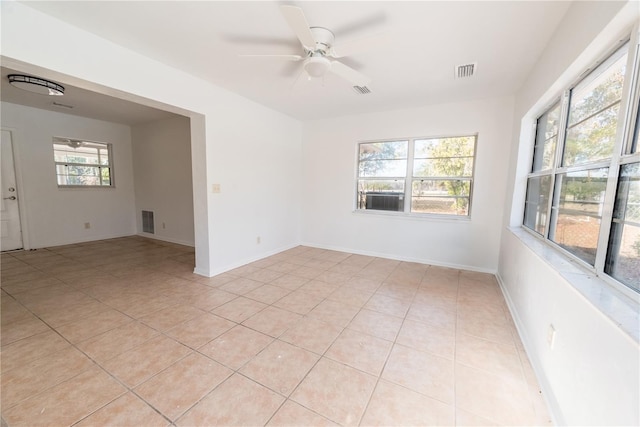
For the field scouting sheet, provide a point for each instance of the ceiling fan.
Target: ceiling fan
(319, 49)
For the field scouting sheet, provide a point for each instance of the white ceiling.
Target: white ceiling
(415, 66)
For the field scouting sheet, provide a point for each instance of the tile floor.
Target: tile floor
(121, 332)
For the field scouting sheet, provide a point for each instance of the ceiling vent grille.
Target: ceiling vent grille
(466, 70)
(362, 90)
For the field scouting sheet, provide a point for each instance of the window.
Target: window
(82, 163)
(583, 189)
(418, 175)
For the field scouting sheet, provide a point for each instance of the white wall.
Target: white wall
(329, 170)
(243, 146)
(162, 177)
(591, 375)
(56, 216)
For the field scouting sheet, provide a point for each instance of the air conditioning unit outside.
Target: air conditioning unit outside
(385, 201)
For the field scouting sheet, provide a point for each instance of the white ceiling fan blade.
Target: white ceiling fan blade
(355, 46)
(348, 73)
(287, 57)
(298, 23)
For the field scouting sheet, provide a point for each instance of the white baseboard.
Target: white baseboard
(245, 261)
(547, 391)
(80, 240)
(401, 258)
(167, 239)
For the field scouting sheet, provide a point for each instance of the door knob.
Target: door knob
(11, 189)
(9, 198)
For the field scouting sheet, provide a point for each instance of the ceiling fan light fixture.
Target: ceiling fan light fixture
(317, 66)
(36, 85)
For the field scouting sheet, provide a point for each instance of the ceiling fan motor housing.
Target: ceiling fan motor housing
(324, 40)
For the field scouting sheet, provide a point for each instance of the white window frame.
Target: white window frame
(102, 145)
(409, 178)
(621, 155)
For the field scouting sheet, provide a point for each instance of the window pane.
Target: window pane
(636, 133)
(444, 147)
(577, 212)
(546, 139)
(65, 154)
(383, 168)
(449, 197)
(537, 203)
(381, 194)
(444, 167)
(384, 150)
(623, 256)
(593, 114)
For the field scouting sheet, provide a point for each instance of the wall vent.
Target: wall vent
(147, 222)
(362, 90)
(466, 70)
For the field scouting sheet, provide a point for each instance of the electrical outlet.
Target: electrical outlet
(258, 240)
(87, 225)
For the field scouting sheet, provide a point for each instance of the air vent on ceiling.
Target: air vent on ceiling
(362, 90)
(147, 222)
(466, 70)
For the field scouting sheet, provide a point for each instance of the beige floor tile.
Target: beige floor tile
(93, 325)
(280, 367)
(433, 314)
(66, 403)
(363, 283)
(21, 353)
(236, 347)
(272, 321)
(490, 327)
(171, 316)
(312, 334)
(236, 402)
(127, 410)
(335, 391)
(376, 324)
(299, 301)
(23, 328)
(116, 341)
(12, 311)
(180, 386)
(499, 359)
(200, 330)
(264, 275)
(335, 313)
(210, 299)
(42, 374)
(498, 399)
(360, 351)
(283, 267)
(427, 337)
(289, 281)
(292, 414)
(423, 372)
(241, 286)
(268, 294)
(140, 363)
(307, 272)
(466, 419)
(239, 310)
(355, 297)
(319, 288)
(332, 278)
(386, 305)
(73, 313)
(393, 405)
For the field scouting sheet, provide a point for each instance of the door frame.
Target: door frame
(22, 201)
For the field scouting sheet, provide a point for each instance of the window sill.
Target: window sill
(411, 216)
(622, 309)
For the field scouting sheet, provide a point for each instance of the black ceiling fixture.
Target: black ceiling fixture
(36, 85)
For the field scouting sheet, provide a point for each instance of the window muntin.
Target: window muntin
(82, 163)
(623, 256)
(434, 174)
(596, 164)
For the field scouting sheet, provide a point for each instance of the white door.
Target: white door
(11, 232)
